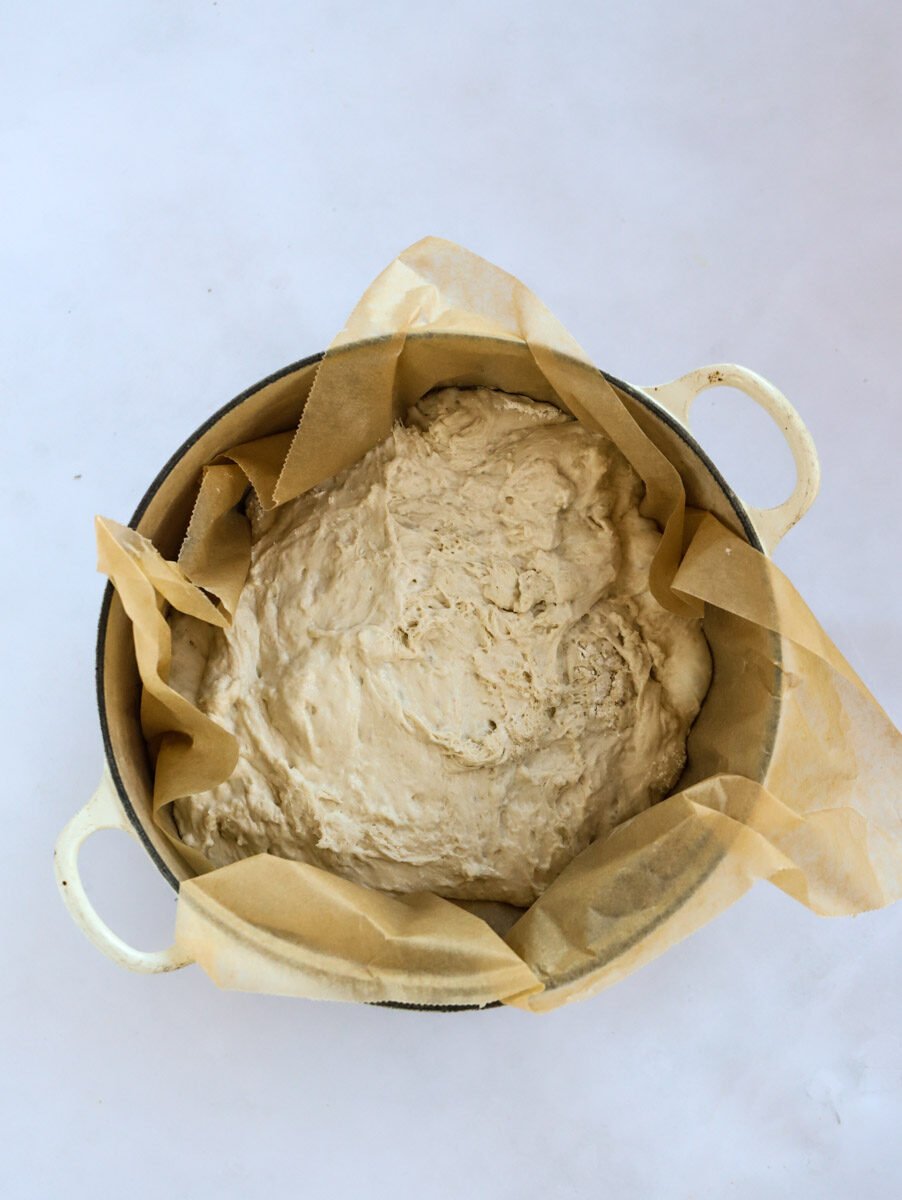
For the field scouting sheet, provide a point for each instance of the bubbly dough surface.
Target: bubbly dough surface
(446, 671)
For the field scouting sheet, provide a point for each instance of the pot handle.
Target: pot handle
(771, 524)
(103, 812)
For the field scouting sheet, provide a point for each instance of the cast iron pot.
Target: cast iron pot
(123, 799)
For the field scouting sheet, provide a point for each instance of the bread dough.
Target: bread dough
(446, 671)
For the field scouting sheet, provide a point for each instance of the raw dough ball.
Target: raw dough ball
(446, 671)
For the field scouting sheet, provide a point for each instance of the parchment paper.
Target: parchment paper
(825, 825)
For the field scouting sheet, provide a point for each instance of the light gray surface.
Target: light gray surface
(194, 195)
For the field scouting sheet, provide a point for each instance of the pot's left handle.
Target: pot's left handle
(103, 812)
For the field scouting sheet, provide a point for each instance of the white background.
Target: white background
(195, 194)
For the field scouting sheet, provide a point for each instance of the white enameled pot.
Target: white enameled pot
(123, 799)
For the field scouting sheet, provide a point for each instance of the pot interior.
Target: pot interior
(275, 405)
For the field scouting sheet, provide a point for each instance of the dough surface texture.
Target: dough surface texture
(446, 672)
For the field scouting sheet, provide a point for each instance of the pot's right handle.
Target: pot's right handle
(771, 524)
(103, 812)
